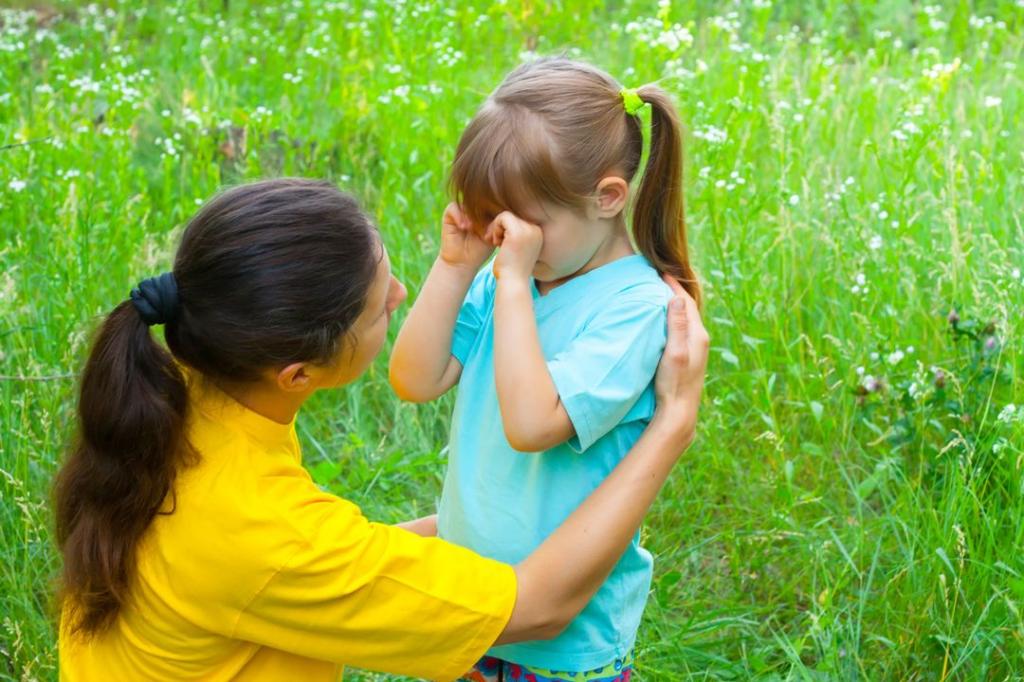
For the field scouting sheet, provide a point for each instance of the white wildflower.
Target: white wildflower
(711, 134)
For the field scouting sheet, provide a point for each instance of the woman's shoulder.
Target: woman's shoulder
(240, 483)
(233, 521)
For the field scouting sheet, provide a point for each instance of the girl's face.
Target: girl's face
(572, 239)
(366, 336)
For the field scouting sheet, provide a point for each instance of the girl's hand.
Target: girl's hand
(680, 378)
(520, 244)
(461, 245)
(425, 526)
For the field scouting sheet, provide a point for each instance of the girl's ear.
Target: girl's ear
(612, 193)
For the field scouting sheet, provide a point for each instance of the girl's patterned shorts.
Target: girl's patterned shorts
(490, 669)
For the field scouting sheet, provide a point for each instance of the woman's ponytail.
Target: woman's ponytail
(659, 224)
(120, 469)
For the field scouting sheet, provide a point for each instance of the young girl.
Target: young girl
(195, 545)
(555, 343)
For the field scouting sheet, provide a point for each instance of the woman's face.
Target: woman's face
(366, 337)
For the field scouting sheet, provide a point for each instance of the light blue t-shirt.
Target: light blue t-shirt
(602, 334)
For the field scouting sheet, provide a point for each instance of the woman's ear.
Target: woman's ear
(294, 378)
(612, 193)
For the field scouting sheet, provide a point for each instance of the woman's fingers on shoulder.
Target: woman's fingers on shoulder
(687, 337)
(698, 332)
(677, 354)
(678, 313)
(695, 324)
(685, 314)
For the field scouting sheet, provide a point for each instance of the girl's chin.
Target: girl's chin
(545, 273)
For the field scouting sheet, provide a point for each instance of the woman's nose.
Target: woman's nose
(400, 294)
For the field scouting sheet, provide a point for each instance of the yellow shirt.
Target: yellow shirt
(256, 574)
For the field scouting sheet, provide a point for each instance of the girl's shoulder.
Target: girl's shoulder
(637, 281)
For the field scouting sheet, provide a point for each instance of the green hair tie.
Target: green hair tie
(631, 100)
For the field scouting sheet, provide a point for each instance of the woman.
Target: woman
(196, 546)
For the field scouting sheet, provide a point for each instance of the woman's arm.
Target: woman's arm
(422, 366)
(553, 590)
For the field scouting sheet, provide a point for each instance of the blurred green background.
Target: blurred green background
(853, 506)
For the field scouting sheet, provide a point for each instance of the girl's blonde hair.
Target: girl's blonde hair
(552, 130)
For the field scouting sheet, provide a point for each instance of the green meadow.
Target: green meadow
(853, 508)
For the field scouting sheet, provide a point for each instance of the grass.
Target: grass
(854, 508)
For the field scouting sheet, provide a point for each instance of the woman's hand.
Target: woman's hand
(461, 245)
(520, 244)
(680, 378)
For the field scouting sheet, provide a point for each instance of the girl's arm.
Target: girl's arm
(422, 366)
(531, 412)
(558, 579)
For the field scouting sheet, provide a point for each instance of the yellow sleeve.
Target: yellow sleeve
(376, 596)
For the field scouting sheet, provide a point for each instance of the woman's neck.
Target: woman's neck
(266, 400)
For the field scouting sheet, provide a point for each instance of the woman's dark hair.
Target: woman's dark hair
(267, 274)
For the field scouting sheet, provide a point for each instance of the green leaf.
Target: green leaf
(751, 341)
(729, 357)
(325, 471)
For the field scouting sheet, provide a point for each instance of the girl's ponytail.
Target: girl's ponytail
(659, 224)
(130, 444)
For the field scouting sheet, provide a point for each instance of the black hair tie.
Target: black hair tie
(156, 299)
